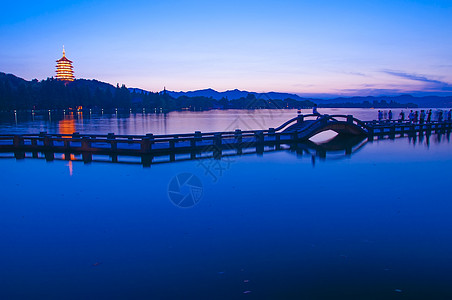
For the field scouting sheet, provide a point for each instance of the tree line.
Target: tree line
(19, 94)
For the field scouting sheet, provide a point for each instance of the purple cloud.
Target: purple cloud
(431, 84)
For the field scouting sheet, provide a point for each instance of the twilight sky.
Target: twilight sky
(305, 47)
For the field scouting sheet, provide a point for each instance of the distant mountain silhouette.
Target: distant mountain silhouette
(424, 101)
(234, 94)
(17, 93)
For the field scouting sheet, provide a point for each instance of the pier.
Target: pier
(193, 145)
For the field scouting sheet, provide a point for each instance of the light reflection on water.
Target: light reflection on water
(371, 225)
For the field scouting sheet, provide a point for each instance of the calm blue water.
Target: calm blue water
(373, 225)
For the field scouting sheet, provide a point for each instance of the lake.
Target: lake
(288, 224)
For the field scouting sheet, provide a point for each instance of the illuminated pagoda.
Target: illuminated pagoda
(64, 70)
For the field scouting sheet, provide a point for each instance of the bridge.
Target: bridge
(149, 147)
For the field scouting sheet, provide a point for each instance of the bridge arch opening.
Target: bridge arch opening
(323, 137)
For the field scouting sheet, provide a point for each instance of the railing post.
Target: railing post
(324, 119)
(271, 133)
(350, 119)
(278, 141)
(112, 140)
(172, 143)
(217, 140)
(392, 131)
(86, 144)
(259, 135)
(48, 142)
(300, 119)
(18, 141)
(196, 138)
(145, 145)
(238, 135)
(370, 133)
(151, 139)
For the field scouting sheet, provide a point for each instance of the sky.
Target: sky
(311, 48)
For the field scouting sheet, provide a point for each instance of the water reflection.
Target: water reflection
(373, 223)
(338, 148)
(67, 126)
(140, 123)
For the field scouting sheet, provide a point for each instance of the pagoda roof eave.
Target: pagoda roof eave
(64, 59)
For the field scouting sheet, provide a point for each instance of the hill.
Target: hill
(17, 93)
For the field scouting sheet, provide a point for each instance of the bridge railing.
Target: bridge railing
(322, 119)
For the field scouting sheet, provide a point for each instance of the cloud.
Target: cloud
(430, 84)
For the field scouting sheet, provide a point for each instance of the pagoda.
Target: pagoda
(64, 70)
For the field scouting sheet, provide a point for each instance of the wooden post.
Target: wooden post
(86, 144)
(271, 134)
(217, 140)
(172, 144)
(259, 135)
(48, 142)
(18, 141)
(238, 136)
(259, 138)
(197, 137)
(392, 131)
(145, 145)
(112, 140)
(278, 141)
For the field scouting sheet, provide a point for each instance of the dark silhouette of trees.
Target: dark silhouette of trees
(19, 94)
